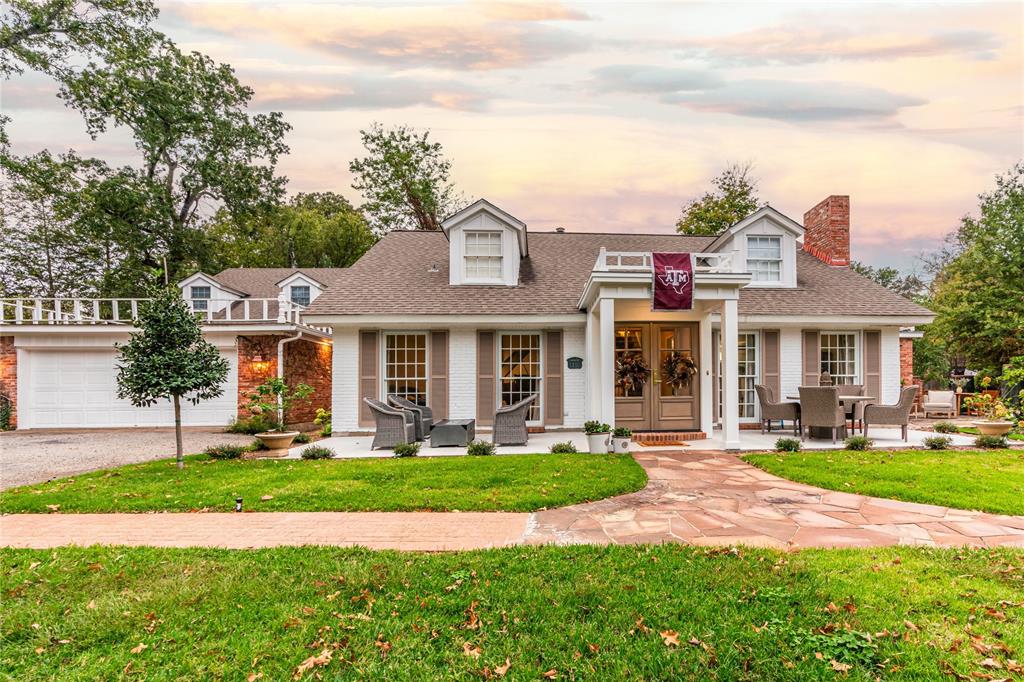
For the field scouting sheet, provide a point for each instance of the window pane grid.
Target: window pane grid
(747, 373)
(520, 370)
(405, 366)
(764, 258)
(839, 357)
(200, 298)
(300, 295)
(483, 255)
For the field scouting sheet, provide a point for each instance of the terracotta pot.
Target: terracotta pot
(987, 428)
(276, 442)
(597, 443)
(620, 444)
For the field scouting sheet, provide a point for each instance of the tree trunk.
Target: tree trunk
(179, 455)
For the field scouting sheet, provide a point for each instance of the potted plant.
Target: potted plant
(620, 439)
(994, 411)
(597, 436)
(275, 397)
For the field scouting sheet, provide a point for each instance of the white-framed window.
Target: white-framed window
(405, 366)
(519, 361)
(300, 294)
(764, 258)
(200, 296)
(747, 372)
(483, 255)
(839, 356)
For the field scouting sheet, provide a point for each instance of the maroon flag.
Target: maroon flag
(673, 281)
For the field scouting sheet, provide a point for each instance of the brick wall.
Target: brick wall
(827, 230)
(257, 362)
(906, 362)
(9, 374)
(309, 363)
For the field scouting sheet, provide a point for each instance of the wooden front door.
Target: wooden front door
(657, 404)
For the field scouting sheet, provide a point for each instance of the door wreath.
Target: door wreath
(678, 369)
(631, 371)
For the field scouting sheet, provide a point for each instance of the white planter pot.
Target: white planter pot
(987, 428)
(620, 445)
(597, 443)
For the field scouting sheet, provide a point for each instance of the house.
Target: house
(486, 312)
(58, 356)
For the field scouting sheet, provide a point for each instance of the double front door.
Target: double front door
(668, 355)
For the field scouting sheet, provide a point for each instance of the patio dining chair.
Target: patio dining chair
(892, 414)
(855, 410)
(770, 409)
(819, 407)
(510, 422)
(394, 426)
(424, 415)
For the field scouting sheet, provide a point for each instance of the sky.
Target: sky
(609, 116)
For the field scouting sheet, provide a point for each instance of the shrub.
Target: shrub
(858, 443)
(480, 448)
(407, 449)
(258, 423)
(937, 442)
(226, 451)
(945, 427)
(622, 432)
(592, 427)
(323, 419)
(787, 445)
(318, 452)
(301, 438)
(6, 413)
(565, 447)
(990, 442)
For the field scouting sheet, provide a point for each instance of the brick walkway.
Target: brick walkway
(694, 497)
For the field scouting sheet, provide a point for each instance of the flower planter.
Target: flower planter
(597, 443)
(620, 444)
(276, 442)
(987, 428)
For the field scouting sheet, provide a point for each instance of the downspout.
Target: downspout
(280, 367)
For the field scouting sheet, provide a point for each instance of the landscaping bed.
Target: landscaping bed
(985, 480)
(507, 483)
(638, 612)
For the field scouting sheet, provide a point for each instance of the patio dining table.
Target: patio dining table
(826, 432)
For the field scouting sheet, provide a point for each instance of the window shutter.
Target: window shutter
(485, 386)
(438, 390)
(771, 362)
(812, 358)
(553, 362)
(369, 363)
(873, 364)
(716, 394)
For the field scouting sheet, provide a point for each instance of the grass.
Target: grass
(973, 431)
(583, 612)
(986, 480)
(507, 483)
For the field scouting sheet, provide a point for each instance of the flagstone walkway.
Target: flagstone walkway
(693, 497)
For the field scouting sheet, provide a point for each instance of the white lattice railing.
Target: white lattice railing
(635, 261)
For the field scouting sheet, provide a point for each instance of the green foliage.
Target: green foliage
(988, 406)
(937, 442)
(595, 427)
(990, 442)
(407, 449)
(945, 427)
(480, 448)
(858, 443)
(301, 439)
(732, 200)
(257, 423)
(909, 286)
(564, 447)
(932, 356)
(318, 452)
(845, 646)
(787, 445)
(226, 451)
(6, 413)
(404, 179)
(323, 420)
(622, 432)
(275, 397)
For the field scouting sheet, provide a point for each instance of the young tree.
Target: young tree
(169, 359)
(404, 179)
(908, 286)
(732, 200)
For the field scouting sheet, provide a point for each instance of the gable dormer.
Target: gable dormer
(300, 288)
(765, 245)
(485, 245)
(204, 293)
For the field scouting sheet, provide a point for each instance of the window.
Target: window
(629, 347)
(839, 356)
(747, 374)
(764, 258)
(300, 294)
(519, 361)
(405, 366)
(483, 255)
(200, 298)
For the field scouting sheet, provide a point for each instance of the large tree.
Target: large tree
(909, 286)
(733, 199)
(404, 178)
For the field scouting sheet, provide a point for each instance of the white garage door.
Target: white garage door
(73, 389)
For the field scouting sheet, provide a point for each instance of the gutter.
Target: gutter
(280, 367)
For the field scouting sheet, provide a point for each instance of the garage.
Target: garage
(78, 389)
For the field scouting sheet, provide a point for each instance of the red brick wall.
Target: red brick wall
(906, 362)
(827, 230)
(9, 374)
(309, 363)
(252, 373)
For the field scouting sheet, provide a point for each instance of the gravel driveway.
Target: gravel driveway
(39, 455)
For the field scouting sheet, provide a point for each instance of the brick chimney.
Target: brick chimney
(827, 230)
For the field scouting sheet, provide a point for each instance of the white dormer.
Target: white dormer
(765, 245)
(300, 288)
(485, 245)
(204, 293)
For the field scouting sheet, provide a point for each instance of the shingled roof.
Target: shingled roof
(406, 273)
(262, 282)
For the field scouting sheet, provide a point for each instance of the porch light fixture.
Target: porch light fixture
(257, 358)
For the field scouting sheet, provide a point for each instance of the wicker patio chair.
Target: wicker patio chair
(394, 426)
(510, 422)
(892, 414)
(424, 415)
(855, 410)
(943, 402)
(770, 409)
(819, 406)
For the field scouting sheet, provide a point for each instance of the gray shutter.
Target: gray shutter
(716, 393)
(812, 357)
(553, 363)
(485, 386)
(771, 362)
(438, 399)
(873, 364)
(369, 362)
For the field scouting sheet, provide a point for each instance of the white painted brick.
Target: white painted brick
(345, 380)
(792, 362)
(890, 365)
(574, 382)
(462, 374)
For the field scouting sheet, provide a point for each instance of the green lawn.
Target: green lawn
(508, 483)
(584, 612)
(973, 431)
(987, 480)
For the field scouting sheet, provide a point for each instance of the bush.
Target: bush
(323, 419)
(858, 443)
(945, 427)
(226, 451)
(407, 449)
(302, 438)
(565, 447)
(592, 427)
(6, 413)
(480, 448)
(622, 432)
(258, 423)
(990, 442)
(318, 452)
(787, 445)
(937, 442)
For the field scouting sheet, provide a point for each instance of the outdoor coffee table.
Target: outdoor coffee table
(452, 432)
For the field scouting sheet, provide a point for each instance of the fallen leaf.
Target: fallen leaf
(32, 566)
(470, 649)
(40, 649)
(254, 676)
(53, 507)
(383, 645)
(991, 664)
(550, 674)
(266, 498)
(593, 648)
(670, 637)
(911, 626)
(839, 667)
(312, 662)
(138, 649)
(502, 669)
(832, 608)
(472, 621)
(91, 604)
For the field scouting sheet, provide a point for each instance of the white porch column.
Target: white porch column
(606, 343)
(591, 367)
(730, 382)
(707, 387)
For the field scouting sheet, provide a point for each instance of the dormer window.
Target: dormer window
(300, 294)
(483, 256)
(764, 258)
(200, 297)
